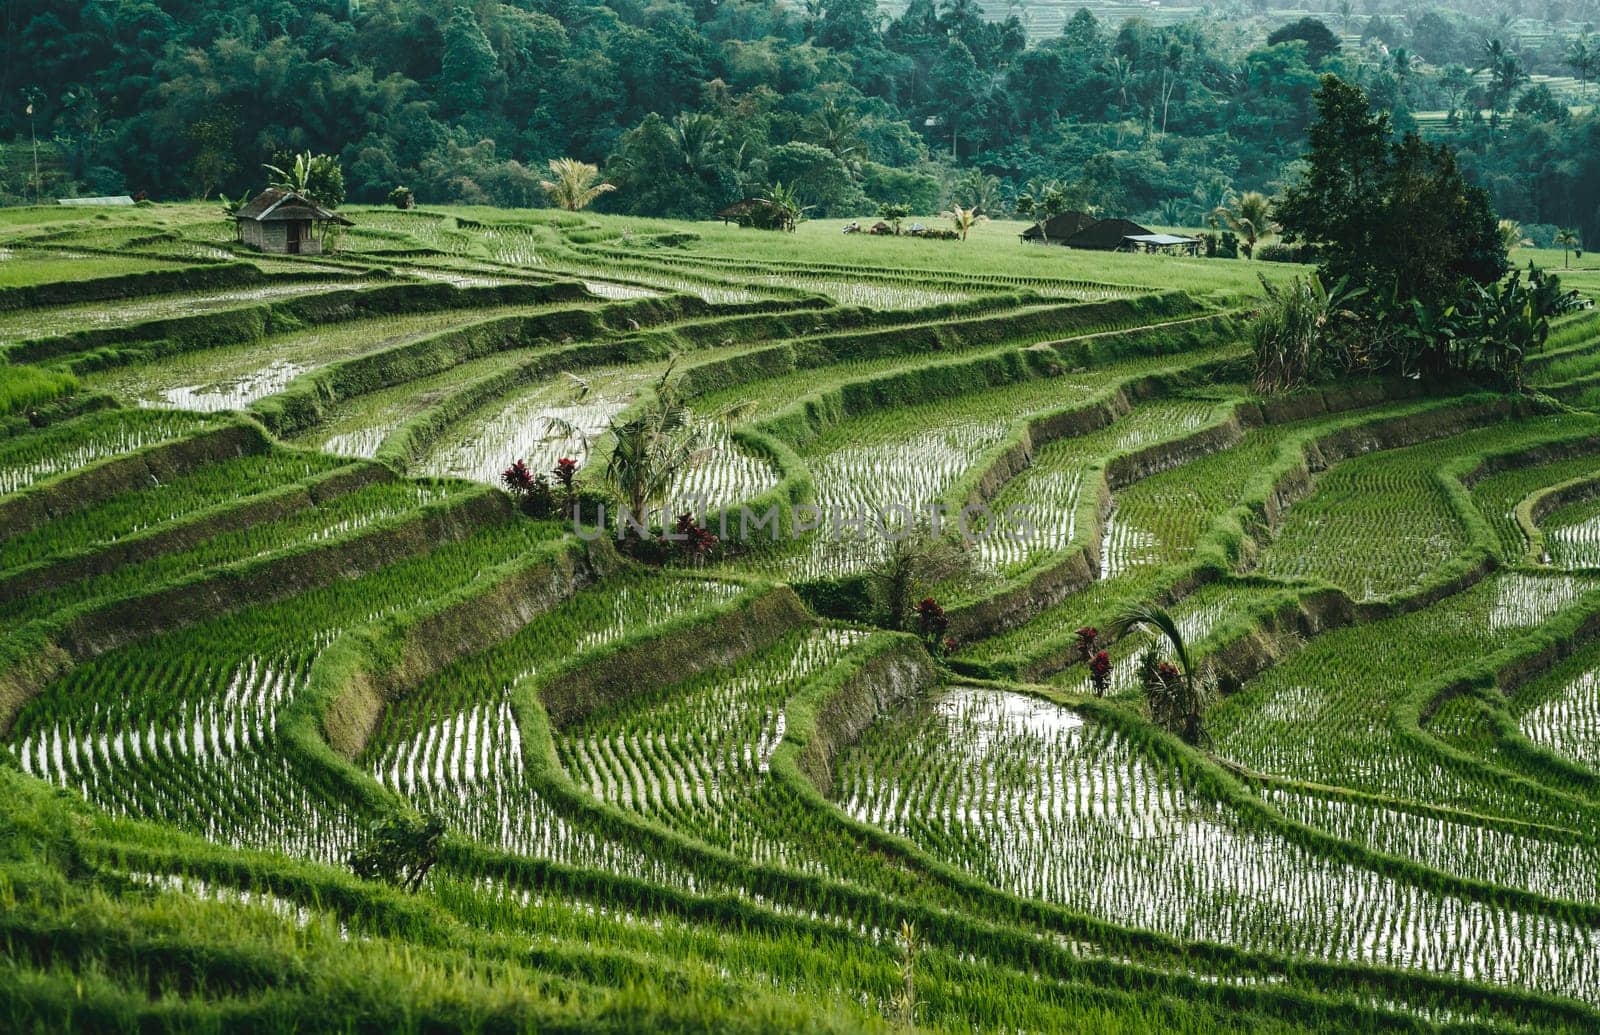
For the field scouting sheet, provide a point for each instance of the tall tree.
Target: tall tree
(468, 65)
(1396, 218)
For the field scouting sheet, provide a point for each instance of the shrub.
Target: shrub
(532, 492)
(403, 197)
(1278, 251)
(932, 624)
(1291, 335)
(399, 850)
(695, 542)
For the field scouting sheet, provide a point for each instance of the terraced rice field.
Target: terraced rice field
(264, 603)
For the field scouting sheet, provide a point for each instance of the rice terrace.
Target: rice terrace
(1176, 696)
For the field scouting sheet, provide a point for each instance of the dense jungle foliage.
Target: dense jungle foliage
(690, 106)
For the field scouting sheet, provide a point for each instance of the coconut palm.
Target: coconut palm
(1583, 57)
(572, 184)
(1505, 73)
(1250, 217)
(1568, 241)
(699, 139)
(662, 439)
(838, 131)
(1510, 233)
(964, 219)
(1176, 696)
(651, 448)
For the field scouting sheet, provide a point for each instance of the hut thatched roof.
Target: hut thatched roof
(278, 205)
(1060, 227)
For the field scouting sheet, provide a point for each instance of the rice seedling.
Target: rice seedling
(696, 756)
(1572, 535)
(1567, 721)
(357, 426)
(1460, 845)
(149, 505)
(1345, 686)
(1050, 490)
(1380, 524)
(22, 325)
(71, 446)
(1034, 799)
(1496, 497)
(327, 520)
(182, 727)
(26, 267)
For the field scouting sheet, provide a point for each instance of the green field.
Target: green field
(261, 590)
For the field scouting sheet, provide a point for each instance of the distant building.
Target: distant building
(1081, 230)
(1108, 235)
(1060, 227)
(284, 222)
(1162, 243)
(110, 201)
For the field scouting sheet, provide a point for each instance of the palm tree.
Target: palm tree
(1250, 217)
(1493, 51)
(838, 131)
(653, 447)
(698, 137)
(964, 219)
(1510, 233)
(1583, 57)
(572, 184)
(1568, 241)
(1505, 73)
(1176, 697)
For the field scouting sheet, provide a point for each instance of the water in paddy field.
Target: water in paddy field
(1569, 722)
(618, 292)
(1572, 536)
(197, 764)
(230, 395)
(233, 377)
(1030, 797)
(547, 422)
(460, 279)
(539, 424)
(21, 325)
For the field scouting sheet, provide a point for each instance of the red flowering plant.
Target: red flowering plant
(532, 492)
(1100, 673)
(517, 478)
(932, 624)
(696, 542)
(1088, 638)
(566, 472)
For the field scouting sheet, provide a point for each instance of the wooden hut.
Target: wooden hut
(281, 221)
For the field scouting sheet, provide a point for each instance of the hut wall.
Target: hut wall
(274, 237)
